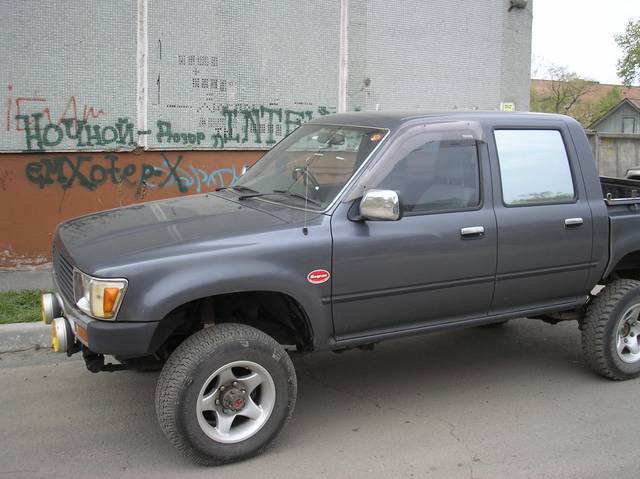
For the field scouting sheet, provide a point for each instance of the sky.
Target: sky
(579, 34)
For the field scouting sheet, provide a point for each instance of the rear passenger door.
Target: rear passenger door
(544, 220)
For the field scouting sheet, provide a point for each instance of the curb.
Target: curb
(19, 280)
(24, 336)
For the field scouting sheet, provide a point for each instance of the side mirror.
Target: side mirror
(244, 169)
(380, 205)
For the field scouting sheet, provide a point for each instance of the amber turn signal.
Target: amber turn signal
(110, 296)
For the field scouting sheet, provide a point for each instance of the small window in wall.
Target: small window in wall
(534, 167)
(628, 124)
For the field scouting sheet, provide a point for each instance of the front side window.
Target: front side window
(311, 166)
(534, 167)
(436, 176)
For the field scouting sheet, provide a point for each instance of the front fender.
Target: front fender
(273, 264)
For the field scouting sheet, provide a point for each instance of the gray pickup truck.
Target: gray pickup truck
(354, 229)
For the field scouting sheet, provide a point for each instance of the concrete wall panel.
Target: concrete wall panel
(67, 63)
(241, 74)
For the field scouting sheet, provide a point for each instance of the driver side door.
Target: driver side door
(431, 266)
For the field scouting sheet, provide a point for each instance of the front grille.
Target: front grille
(64, 275)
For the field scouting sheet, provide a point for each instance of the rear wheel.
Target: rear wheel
(610, 340)
(225, 393)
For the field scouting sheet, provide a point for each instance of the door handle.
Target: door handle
(573, 222)
(472, 232)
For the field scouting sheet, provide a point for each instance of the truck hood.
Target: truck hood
(124, 235)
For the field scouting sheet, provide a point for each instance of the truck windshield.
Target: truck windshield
(310, 167)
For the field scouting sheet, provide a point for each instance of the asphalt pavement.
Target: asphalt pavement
(511, 402)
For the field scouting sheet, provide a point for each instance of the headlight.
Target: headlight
(100, 298)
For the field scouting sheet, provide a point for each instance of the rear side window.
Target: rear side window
(534, 167)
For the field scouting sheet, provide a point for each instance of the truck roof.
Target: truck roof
(392, 119)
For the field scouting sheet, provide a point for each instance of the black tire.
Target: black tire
(188, 369)
(600, 330)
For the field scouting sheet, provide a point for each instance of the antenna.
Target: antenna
(309, 159)
(305, 230)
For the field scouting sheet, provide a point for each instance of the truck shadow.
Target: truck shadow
(436, 376)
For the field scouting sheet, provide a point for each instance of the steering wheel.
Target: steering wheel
(306, 175)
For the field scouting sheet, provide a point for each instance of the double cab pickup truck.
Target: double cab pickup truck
(354, 229)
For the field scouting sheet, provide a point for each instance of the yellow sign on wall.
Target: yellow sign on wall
(507, 106)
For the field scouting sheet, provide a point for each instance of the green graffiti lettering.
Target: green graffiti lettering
(173, 173)
(301, 116)
(59, 135)
(34, 174)
(129, 171)
(113, 170)
(77, 173)
(55, 169)
(251, 120)
(97, 174)
(164, 131)
(230, 115)
(127, 133)
(270, 123)
(67, 123)
(34, 133)
(114, 134)
(93, 136)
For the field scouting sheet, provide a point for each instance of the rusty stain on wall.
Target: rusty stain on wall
(41, 190)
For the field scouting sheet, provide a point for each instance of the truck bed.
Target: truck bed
(620, 191)
(622, 197)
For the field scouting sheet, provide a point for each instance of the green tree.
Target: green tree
(629, 64)
(611, 99)
(565, 94)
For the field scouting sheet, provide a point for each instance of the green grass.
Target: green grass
(20, 306)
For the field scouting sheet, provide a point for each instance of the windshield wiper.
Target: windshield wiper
(298, 195)
(282, 192)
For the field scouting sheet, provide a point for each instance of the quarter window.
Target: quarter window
(534, 167)
(436, 176)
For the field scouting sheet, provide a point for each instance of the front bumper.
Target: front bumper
(127, 339)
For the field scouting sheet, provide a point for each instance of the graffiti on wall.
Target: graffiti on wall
(259, 125)
(23, 106)
(92, 171)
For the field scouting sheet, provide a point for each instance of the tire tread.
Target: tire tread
(175, 377)
(594, 328)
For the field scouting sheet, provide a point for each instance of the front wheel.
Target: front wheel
(225, 393)
(610, 340)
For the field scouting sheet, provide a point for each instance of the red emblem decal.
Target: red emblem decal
(318, 276)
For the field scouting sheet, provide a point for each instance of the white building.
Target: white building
(95, 75)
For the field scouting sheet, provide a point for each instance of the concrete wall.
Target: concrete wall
(437, 54)
(92, 75)
(66, 63)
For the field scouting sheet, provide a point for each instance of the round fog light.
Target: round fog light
(61, 335)
(50, 307)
